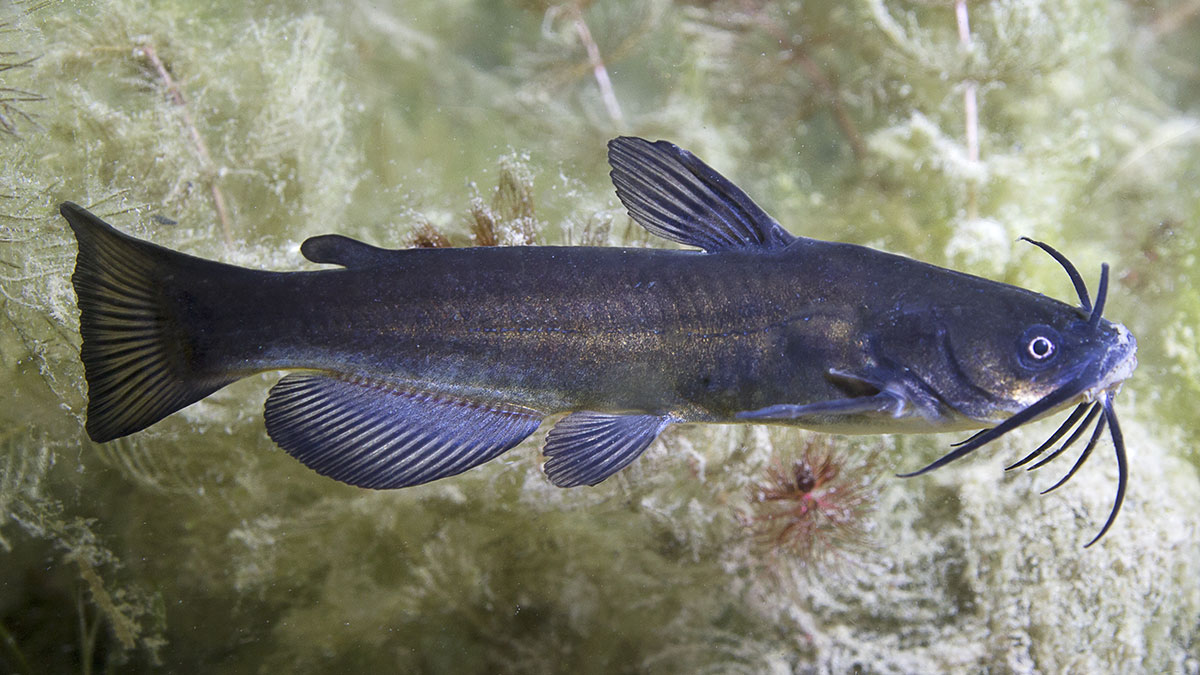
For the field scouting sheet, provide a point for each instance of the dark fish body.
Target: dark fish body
(701, 336)
(418, 364)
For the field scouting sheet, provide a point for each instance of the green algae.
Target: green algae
(198, 545)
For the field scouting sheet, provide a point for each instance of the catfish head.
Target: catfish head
(1007, 359)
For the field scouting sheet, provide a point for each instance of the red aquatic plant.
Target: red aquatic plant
(813, 507)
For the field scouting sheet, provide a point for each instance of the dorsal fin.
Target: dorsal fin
(671, 193)
(334, 249)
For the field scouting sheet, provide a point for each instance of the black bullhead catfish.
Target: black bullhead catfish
(414, 365)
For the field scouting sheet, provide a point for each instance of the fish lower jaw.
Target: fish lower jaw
(1113, 379)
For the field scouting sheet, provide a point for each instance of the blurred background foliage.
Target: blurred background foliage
(234, 130)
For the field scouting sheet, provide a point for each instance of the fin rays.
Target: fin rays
(134, 354)
(375, 434)
(674, 195)
(585, 448)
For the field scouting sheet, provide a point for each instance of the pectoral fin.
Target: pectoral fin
(374, 434)
(881, 402)
(864, 395)
(584, 448)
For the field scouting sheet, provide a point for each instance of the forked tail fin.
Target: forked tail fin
(139, 357)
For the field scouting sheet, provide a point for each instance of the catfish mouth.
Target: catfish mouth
(1094, 386)
(1117, 365)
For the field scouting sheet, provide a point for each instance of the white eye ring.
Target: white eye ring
(1041, 348)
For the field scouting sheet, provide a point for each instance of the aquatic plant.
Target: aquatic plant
(812, 506)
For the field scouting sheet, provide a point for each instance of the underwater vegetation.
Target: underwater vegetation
(813, 505)
(236, 130)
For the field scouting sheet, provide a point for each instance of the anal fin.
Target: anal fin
(585, 448)
(375, 434)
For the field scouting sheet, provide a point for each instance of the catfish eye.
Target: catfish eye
(1038, 346)
(1041, 347)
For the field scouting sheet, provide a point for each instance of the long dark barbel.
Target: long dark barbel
(1066, 426)
(1065, 393)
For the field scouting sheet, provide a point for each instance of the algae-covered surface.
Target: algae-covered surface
(233, 131)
